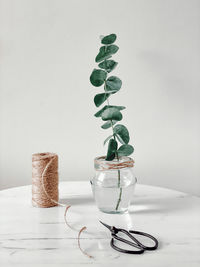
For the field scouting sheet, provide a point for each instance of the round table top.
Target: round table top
(39, 237)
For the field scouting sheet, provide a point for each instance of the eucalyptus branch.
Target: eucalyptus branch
(111, 115)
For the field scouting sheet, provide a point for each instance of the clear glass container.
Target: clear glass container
(113, 184)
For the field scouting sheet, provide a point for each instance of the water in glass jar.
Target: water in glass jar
(111, 198)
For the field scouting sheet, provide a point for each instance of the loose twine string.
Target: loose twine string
(45, 186)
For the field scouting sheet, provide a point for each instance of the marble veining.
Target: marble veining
(39, 237)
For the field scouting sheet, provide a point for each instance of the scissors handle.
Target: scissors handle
(140, 251)
(133, 244)
(136, 243)
(147, 235)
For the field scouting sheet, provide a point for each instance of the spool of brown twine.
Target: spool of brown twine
(44, 180)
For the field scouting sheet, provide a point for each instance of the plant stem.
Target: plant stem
(119, 200)
(118, 171)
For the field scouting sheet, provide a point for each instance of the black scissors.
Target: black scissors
(137, 244)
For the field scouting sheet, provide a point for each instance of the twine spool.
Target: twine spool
(44, 180)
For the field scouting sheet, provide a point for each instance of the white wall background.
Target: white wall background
(46, 101)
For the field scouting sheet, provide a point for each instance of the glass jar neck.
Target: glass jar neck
(100, 164)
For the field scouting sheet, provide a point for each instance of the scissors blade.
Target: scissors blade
(106, 225)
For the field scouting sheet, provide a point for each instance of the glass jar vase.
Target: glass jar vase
(113, 184)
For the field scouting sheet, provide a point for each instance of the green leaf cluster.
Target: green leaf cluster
(110, 114)
(106, 52)
(108, 65)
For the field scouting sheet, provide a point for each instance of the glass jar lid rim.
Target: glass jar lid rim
(123, 162)
(115, 160)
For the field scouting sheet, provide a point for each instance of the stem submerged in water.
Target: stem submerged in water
(119, 200)
(120, 192)
(118, 178)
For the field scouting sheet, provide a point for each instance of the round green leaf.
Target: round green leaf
(98, 114)
(112, 148)
(106, 52)
(108, 65)
(122, 132)
(100, 98)
(125, 150)
(113, 84)
(108, 124)
(98, 77)
(109, 39)
(111, 114)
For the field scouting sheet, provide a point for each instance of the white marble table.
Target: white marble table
(39, 237)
